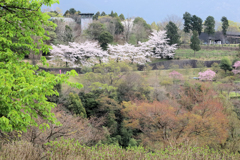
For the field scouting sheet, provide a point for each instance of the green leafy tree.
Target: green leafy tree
(74, 104)
(225, 64)
(154, 26)
(54, 14)
(105, 38)
(121, 16)
(139, 20)
(95, 29)
(172, 34)
(95, 17)
(103, 14)
(209, 25)
(24, 89)
(195, 42)
(196, 24)
(187, 22)
(225, 25)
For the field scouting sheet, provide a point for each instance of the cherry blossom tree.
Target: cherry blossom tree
(207, 75)
(156, 47)
(175, 75)
(79, 54)
(236, 66)
(159, 41)
(128, 52)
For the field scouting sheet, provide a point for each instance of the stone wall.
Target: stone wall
(63, 70)
(181, 64)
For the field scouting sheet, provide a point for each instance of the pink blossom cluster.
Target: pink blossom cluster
(207, 75)
(175, 75)
(237, 66)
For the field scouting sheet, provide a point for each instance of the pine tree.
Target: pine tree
(103, 14)
(224, 25)
(172, 34)
(195, 42)
(187, 22)
(209, 24)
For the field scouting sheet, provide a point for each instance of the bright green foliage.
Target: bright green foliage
(224, 25)
(140, 20)
(187, 22)
(74, 104)
(121, 16)
(105, 38)
(195, 42)
(172, 34)
(51, 34)
(54, 14)
(196, 24)
(225, 64)
(209, 25)
(154, 26)
(23, 91)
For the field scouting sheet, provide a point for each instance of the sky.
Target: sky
(156, 10)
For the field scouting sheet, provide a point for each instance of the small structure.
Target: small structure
(219, 38)
(85, 20)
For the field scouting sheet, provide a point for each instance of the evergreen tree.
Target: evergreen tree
(67, 13)
(195, 42)
(209, 25)
(172, 34)
(105, 38)
(196, 24)
(72, 11)
(95, 17)
(112, 14)
(68, 35)
(74, 104)
(121, 16)
(187, 22)
(224, 25)
(103, 14)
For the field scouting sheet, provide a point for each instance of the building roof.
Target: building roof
(86, 14)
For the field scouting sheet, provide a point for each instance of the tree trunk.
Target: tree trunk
(194, 53)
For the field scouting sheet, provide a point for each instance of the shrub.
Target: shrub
(225, 64)
(176, 76)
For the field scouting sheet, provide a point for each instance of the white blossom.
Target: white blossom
(79, 54)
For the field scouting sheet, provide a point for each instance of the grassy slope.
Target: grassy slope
(204, 54)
